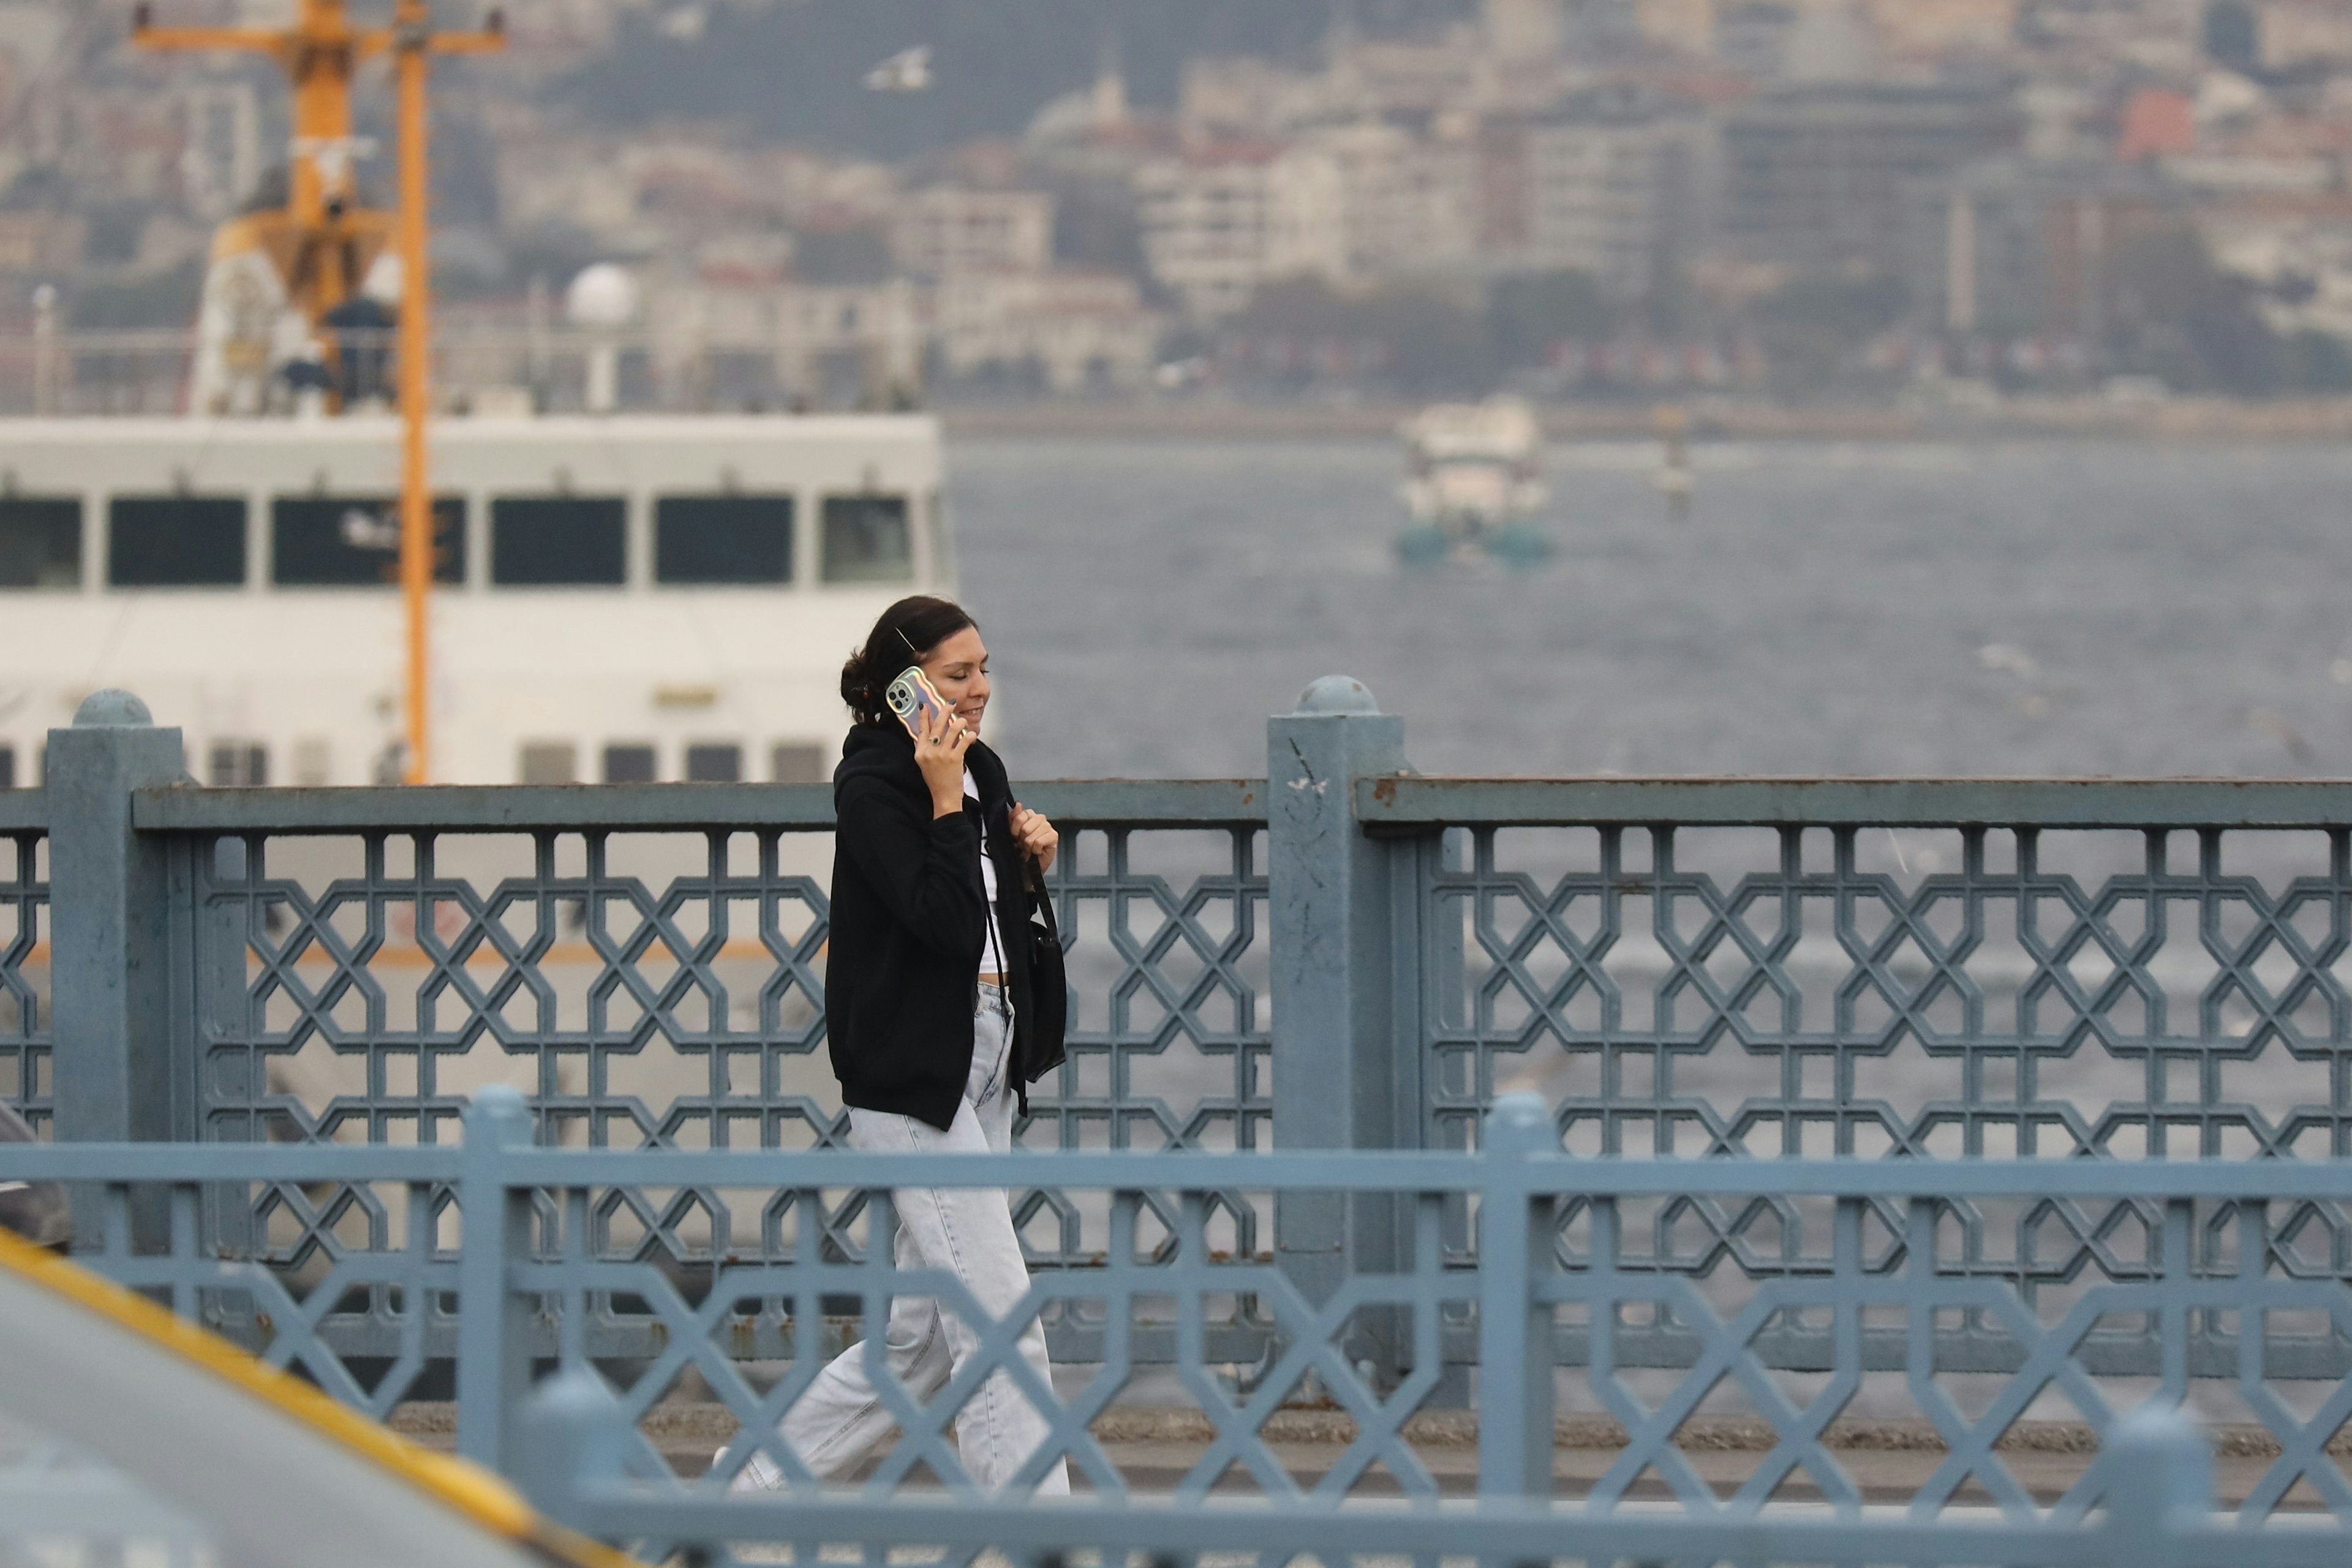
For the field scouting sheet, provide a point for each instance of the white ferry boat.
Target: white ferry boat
(619, 598)
(616, 597)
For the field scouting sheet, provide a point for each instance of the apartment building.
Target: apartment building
(1612, 185)
(2016, 247)
(1219, 220)
(2295, 32)
(1407, 203)
(1823, 176)
(1074, 330)
(942, 230)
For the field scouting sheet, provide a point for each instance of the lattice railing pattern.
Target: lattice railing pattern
(1819, 1006)
(1169, 1289)
(688, 1011)
(2032, 1248)
(411, 986)
(2182, 1291)
(25, 1034)
(1170, 1038)
(2213, 1284)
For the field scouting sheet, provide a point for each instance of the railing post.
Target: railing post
(571, 1434)
(1332, 968)
(110, 923)
(493, 1317)
(2159, 1480)
(1515, 1356)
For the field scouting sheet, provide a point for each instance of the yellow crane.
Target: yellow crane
(323, 241)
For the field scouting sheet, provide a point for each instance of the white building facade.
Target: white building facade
(1074, 330)
(1613, 186)
(946, 229)
(1603, 198)
(1219, 222)
(1407, 203)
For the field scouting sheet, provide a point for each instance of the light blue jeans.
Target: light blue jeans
(837, 1420)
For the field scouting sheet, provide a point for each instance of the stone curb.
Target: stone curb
(713, 1422)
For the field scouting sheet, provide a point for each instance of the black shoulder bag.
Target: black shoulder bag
(1049, 982)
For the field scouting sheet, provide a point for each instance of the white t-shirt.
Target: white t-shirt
(993, 962)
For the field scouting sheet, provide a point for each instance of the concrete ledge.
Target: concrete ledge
(711, 1425)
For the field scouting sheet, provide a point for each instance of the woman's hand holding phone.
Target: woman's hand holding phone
(940, 741)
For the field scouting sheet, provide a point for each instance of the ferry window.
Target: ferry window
(867, 540)
(723, 538)
(234, 763)
(796, 761)
(550, 763)
(714, 763)
(558, 542)
(40, 543)
(628, 764)
(8, 767)
(175, 542)
(329, 541)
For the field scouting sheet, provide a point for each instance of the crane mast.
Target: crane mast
(321, 244)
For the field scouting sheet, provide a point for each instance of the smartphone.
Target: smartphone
(910, 697)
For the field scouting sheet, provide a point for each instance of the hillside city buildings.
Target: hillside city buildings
(1606, 195)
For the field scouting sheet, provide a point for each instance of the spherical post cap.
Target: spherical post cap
(499, 1110)
(1338, 694)
(576, 1397)
(1521, 1123)
(112, 709)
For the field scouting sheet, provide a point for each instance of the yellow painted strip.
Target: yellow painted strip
(458, 1484)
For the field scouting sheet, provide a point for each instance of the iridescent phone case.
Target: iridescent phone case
(910, 697)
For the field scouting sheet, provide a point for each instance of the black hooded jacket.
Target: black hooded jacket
(909, 927)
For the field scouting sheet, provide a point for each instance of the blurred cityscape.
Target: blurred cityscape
(1787, 200)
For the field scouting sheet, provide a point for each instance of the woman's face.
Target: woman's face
(957, 671)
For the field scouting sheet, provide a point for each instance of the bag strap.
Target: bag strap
(1041, 900)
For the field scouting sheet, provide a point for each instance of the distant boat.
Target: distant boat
(910, 70)
(1474, 482)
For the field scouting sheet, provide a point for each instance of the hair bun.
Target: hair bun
(908, 628)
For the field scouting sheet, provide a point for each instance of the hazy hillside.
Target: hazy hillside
(793, 70)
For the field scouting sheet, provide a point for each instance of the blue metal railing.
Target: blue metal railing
(531, 1279)
(24, 1073)
(1769, 967)
(291, 998)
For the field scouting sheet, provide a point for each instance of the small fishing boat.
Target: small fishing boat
(1474, 482)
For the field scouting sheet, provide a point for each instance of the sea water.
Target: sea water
(2054, 608)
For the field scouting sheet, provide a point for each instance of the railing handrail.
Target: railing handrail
(1141, 803)
(24, 811)
(1335, 1169)
(1416, 801)
(1504, 1529)
(1386, 802)
(1412, 802)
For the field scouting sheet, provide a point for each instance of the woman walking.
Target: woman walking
(930, 1021)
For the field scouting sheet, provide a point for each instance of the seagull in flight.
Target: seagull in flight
(909, 71)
